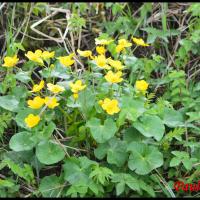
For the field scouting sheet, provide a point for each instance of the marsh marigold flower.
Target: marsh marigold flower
(77, 86)
(36, 103)
(36, 57)
(101, 61)
(38, 87)
(32, 120)
(141, 85)
(114, 77)
(75, 95)
(51, 102)
(67, 61)
(46, 54)
(100, 50)
(122, 44)
(102, 41)
(10, 61)
(55, 88)
(139, 42)
(110, 105)
(115, 64)
(85, 53)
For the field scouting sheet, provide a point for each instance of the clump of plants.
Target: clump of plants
(88, 125)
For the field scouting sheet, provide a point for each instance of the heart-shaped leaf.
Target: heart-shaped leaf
(144, 158)
(49, 153)
(115, 150)
(102, 133)
(22, 142)
(150, 126)
(9, 102)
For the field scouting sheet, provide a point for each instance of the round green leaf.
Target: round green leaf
(115, 150)
(102, 133)
(9, 102)
(50, 186)
(150, 126)
(49, 153)
(22, 142)
(172, 118)
(144, 158)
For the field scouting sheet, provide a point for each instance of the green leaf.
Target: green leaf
(115, 150)
(77, 170)
(6, 183)
(23, 76)
(120, 188)
(144, 158)
(50, 186)
(101, 174)
(146, 187)
(125, 179)
(102, 133)
(172, 118)
(22, 142)
(9, 103)
(131, 134)
(131, 109)
(174, 162)
(49, 153)
(150, 126)
(48, 130)
(86, 100)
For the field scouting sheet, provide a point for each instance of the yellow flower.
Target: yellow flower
(114, 77)
(52, 66)
(77, 86)
(116, 64)
(110, 106)
(102, 41)
(139, 41)
(55, 88)
(36, 57)
(38, 52)
(141, 85)
(100, 50)
(67, 61)
(85, 53)
(36, 103)
(51, 102)
(101, 61)
(46, 54)
(10, 61)
(32, 120)
(100, 102)
(38, 87)
(122, 43)
(75, 95)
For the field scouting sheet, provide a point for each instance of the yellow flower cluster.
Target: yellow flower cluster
(10, 61)
(76, 87)
(110, 106)
(67, 61)
(141, 85)
(32, 120)
(55, 88)
(38, 56)
(112, 77)
(37, 102)
(139, 42)
(122, 44)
